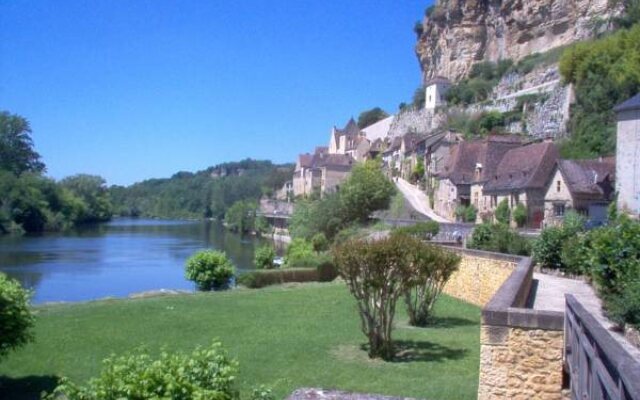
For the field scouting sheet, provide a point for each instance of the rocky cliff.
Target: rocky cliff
(457, 33)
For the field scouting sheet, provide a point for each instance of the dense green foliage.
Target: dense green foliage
(314, 324)
(241, 216)
(93, 195)
(206, 373)
(366, 190)
(548, 249)
(613, 259)
(207, 193)
(264, 256)
(209, 269)
(33, 203)
(503, 212)
(520, 215)
(370, 117)
(16, 319)
(418, 172)
(264, 278)
(466, 213)
(302, 254)
(604, 73)
(479, 124)
(499, 238)
(431, 268)
(320, 242)
(477, 87)
(421, 230)
(17, 154)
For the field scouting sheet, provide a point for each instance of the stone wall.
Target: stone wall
(480, 276)
(520, 363)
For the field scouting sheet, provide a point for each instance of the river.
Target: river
(116, 259)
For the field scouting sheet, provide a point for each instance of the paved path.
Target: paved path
(418, 199)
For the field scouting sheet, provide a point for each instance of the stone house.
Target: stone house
(391, 156)
(435, 92)
(346, 140)
(523, 176)
(628, 156)
(321, 172)
(470, 166)
(586, 186)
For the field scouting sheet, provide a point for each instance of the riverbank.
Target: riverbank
(316, 325)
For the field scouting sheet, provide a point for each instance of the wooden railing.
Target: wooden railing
(598, 366)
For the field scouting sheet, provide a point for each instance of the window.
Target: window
(558, 186)
(558, 210)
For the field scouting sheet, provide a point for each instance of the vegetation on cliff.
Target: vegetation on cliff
(605, 72)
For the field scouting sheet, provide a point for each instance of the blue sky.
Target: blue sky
(138, 89)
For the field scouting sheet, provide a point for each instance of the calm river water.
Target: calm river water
(116, 259)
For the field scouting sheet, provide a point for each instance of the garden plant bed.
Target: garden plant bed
(283, 337)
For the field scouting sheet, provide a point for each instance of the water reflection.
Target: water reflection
(116, 259)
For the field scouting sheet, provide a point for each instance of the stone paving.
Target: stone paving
(321, 394)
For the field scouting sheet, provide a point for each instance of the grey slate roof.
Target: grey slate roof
(631, 104)
(588, 177)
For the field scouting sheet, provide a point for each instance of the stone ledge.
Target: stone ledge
(507, 307)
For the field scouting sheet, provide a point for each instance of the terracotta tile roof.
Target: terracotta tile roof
(631, 104)
(305, 160)
(527, 167)
(586, 177)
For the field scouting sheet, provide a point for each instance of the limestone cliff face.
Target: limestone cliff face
(460, 32)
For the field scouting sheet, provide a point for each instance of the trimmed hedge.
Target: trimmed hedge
(325, 272)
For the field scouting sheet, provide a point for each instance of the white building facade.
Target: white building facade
(628, 156)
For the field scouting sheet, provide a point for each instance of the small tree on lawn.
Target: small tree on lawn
(376, 273)
(16, 319)
(209, 269)
(431, 269)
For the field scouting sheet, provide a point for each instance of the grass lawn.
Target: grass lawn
(283, 337)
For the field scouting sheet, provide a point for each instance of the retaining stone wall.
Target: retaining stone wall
(479, 277)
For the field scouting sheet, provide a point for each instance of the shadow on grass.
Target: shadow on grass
(450, 322)
(422, 351)
(27, 387)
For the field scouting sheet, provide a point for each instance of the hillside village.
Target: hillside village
(460, 173)
(511, 154)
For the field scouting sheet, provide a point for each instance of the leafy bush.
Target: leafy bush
(503, 213)
(377, 274)
(263, 257)
(547, 250)
(421, 230)
(614, 256)
(320, 242)
(16, 320)
(206, 373)
(431, 269)
(574, 253)
(299, 251)
(520, 215)
(625, 307)
(499, 238)
(366, 190)
(261, 278)
(209, 269)
(466, 213)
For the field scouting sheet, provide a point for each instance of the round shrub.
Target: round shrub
(209, 269)
(320, 242)
(520, 215)
(16, 319)
(263, 257)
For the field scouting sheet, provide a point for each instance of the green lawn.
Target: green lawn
(284, 337)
